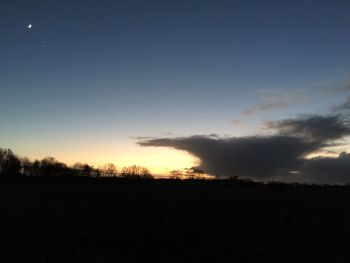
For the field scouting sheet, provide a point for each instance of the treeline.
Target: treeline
(13, 165)
(187, 173)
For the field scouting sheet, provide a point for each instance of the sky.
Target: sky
(96, 81)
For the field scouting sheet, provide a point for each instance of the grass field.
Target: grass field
(99, 222)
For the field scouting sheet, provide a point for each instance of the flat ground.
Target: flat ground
(89, 222)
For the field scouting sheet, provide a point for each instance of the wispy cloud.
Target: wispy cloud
(238, 123)
(274, 100)
(342, 86)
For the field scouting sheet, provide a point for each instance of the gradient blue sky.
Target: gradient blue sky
(90, 75)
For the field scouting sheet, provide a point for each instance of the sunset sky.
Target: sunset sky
(89, 81)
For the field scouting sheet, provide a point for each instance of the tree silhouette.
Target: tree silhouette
(26, 166)
(83, 169)
(194, 173)
(109, 170)
(78, 169)
(50, 167)
(9, 163)
(35, 168)
(136, 172)
(176, 174)
(87, 170)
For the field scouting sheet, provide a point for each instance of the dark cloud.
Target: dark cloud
(246, 156)
(267, 156)
(324, 170)
(313, 127)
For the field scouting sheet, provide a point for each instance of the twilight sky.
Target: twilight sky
(90, 77)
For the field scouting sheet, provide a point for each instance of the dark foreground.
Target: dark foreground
(121, 222)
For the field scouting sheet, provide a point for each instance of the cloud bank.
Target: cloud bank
(273, 156)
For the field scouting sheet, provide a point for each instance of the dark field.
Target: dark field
(100, 222)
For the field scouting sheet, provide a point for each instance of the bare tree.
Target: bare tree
(194, 173)
(176, 174)
(136, 171)
(109, 170)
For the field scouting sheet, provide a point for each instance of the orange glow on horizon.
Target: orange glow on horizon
(160, 161)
